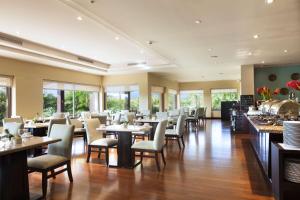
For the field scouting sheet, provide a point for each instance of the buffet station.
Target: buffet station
(274, 128)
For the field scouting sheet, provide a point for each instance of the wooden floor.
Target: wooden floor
(214, 165)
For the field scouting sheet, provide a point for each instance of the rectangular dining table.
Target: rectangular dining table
(152, 122)
(125, 158)
(13, 167)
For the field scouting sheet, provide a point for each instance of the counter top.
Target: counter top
(27, 143)
(264, 128)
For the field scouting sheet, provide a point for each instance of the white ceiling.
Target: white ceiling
(181, 47)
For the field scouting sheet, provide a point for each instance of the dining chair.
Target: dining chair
(202, 114)
(117, 118)
(177, 133)
(156, 146)
(13, 127)
(79, 130)
(193, 119)
(96, 140)
(162, 115)
(129, 117)
(59, 155)
(55, 121)
(13, 119)
(101, 118)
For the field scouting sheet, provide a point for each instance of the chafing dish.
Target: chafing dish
(285, 108)
(266, 106)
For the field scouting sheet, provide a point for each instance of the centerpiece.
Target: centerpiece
(293, 85)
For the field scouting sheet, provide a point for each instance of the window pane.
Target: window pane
(68, 102)
(116, 101)
(134, 100)
(155, 101)
(50, 102)
(172, 101)
(191, 99)
(219, 95)
(81, 102)
(3, 103)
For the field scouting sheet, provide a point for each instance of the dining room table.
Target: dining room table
(152, 122)
(37, 129)
(14, 183)
(125, 158)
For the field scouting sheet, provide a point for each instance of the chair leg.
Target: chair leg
(133, 157)
(178, 142)
(182, 140)
(163, 156)
(142, 156)
(52, 173)
(88, 154)
(99, 153)
(70, 171)
(134, 137)
(107, 156)
(157, 161)
(167, 141)
(44, 183)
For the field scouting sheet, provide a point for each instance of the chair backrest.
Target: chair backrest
(76, 123)
(55, 121)
(64, 147)
(13, 127)
(159, 137)
(197, 112)
(202, 112)
(91, 133)
(68, 120)
(117, 118)
(102, 119)
(130, 117)
(58, 116)
(180, 125)
(14, 119)
(86, 115)
(162, 115)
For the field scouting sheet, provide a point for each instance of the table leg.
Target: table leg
(14, 177)
(125, 158)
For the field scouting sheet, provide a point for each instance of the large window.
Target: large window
(122, 98)
(219, 95)
(172, 96)
(155, 102)
(191, 98)
(5, 98)
(71, 98)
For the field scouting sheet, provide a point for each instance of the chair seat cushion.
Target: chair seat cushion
(105, 142)
(79, 130)
(144, 145)
(170, 132)
(45, 161)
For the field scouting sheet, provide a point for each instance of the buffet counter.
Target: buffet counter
(262, 137)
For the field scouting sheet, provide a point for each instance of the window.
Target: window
(5, 97)
(191, 98)
(172, 95)
(122, 98)
(219, 95)
(71, 98)
(155, 102)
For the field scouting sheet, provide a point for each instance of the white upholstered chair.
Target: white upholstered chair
(59, 155)
(55, 121)
(96, 140)
(177, 133)
(194, 119)
(156, 146)
(79, 131)
(13, 127)
(162, 115)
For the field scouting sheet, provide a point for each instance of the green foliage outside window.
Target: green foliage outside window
(134, 101)
(115, 102)
(171, 101)
(3, 103)
(50, 102)
(191, 99)
(155, 100)
(217, 98)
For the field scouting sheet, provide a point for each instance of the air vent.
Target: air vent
(11, 39)
(87, 60)
(136, 63)
(214, 56)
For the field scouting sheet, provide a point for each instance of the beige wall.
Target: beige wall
(28, 83)
(247, 80)
(140, 79)
(207, 86)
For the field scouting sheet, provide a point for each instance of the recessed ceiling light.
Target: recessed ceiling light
(79, 18)
(221, 73)
(255, 36)
(209, 49)
(198, 21)
(250, 53)
(117, 38)
(17, 32)
(285, 51)
(142, 51)
(214, 56)
(269, 1)
(262, 62)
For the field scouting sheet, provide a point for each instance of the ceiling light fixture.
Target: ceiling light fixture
(198, 21)
(250, 53)
(285, 51)
(142, 51)
(117, 38)
(79, 18)
(255, 36)
(269, 1)
(262, 62)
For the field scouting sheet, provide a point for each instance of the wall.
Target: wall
(283, 74)
(28, 83)
(247, 80)
(140, 79)
(207, 86)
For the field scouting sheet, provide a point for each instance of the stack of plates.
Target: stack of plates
(291, 133)
(292, 170)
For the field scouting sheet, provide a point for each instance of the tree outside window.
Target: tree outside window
(219, 95)
(191, 98)
(171, 101)
(3, 103)
(155, 102)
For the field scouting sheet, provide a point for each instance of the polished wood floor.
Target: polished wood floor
(215, 165)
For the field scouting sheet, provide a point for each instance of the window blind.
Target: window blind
(214, 91)
(5, 81)
(70, 86)
(155, 89)
(121, 88)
